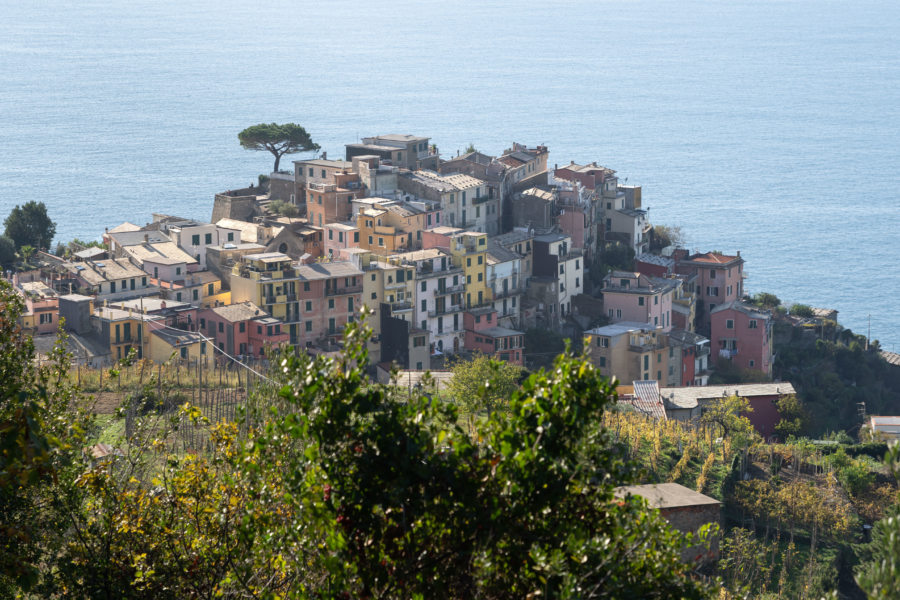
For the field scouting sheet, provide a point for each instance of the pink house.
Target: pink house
(340, 236)
(242, 329)
(329, 296)
(720, 279)
(638, 298)
(742, 333)
(485, 336)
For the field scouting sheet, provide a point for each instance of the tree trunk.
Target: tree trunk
(277, 161)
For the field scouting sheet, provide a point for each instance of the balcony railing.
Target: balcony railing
(450, 289)
(401, 306)
(447, 310)
(353, 289)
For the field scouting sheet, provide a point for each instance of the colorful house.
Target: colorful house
(742, 334)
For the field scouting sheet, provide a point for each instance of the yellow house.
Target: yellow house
(124, 330)
(269, 280)
(469, 251)
(630, 351)
(200, 288)
(182, 345)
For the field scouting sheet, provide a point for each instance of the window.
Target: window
(202, 323)
(144, 281)
(309, 326)
(231, 236)
(655, 299)
(331, 303)
(418, 341)
(480, 276)
(602, 361)
(618, 313)
(221, 327)
(112, 287)
(752, 324)
(577, 264)
(729, 324)
(610, 311)
(712, 291)
(330, 234)
(381, 241)
(178, 296)
(311, 172)
(305, 286)
(374, 296)
(195, 240)
(331, 326)
(562, 269)
(423, 286)
(424, 306)
(309, 306)
(468, 279)
(371, 240)
(259, 329)
(646, 361)
(242, 326)
(640, 300)
(340, 237)
(356, 237)
(183, 352)
(178, 270)
(712, 274)
(208, 239)
(480, 259)
(350, 304)
(210, 289)
(469, 262)
(196, 294)
(202, 347)
(752, 363)
(323, 175)
(577, 281)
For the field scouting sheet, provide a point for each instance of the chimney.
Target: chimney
(324, 156)
(162, 305)
(146, 238)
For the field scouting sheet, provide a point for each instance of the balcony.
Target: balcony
(353, 289)
(500, 294)
(449, 289)
(401, 306)
(446, 311)
(481, 199)
(438, 273)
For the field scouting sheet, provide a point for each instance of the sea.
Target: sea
(766, 126)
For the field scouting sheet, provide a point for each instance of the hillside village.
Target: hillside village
(453, 256)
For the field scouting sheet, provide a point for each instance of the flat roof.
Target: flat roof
(666, 495)
(268, 257)
(622, 327)
(242, 311)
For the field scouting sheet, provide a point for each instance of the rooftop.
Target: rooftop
(130, 238)
(124, 227)
(268, 257)
(666, 495)
(712, 258)
(417, 255)
(327, 270)
(620, 328)
(162, 253)
(243, 311)
(690, 397)
(177, 337)
(499, 332)
(747, 309)
(647, 399)
(542, 194)
(97, 272)
(328, 163)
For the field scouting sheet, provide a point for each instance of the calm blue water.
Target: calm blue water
(765, 126)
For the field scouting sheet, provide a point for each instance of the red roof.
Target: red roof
(712, 257)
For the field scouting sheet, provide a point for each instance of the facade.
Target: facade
(484, 335)
(742, 334)
(167, 344)
(400, 150)
(113, 279)
(556, 261)
(685, 403)
(270, 281)
(469, 250)
(242, 329)
(329, 297)
(41, 314)
(440, 297)
(694, 350)
(121, 331)
(339, 236)
(506, 283)
(194, 237)
(629, 296)
(720, 279)
(465, 201)
(630, 351)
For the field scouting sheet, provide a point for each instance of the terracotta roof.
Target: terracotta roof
(713, 258)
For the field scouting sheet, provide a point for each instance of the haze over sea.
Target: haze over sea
(770, 127)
